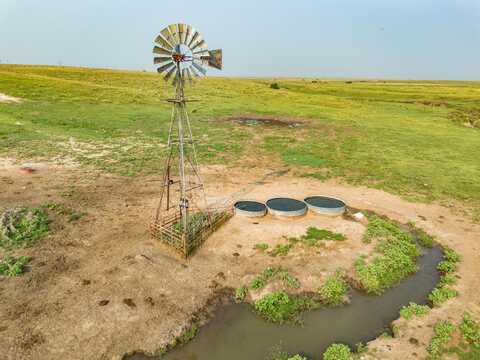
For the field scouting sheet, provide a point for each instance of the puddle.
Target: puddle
(236, 333)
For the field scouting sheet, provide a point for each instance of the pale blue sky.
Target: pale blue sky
(412, 39)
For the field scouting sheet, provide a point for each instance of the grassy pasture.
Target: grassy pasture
(400, 136)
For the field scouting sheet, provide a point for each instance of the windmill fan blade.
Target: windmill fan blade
(194, 38)
(181, 31)
(192, 70)
(174, 31)
(199, 68)
(188, 34)
(201, 52)
(170, 72)
(168, 35)
(215, 60)
(161, 59)
(161, 51)
(165, 67)
(163, 43)
(199, 44)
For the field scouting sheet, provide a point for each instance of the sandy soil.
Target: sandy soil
(100, 287)
(5, 98)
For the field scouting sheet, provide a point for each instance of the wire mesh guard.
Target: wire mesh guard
(183, 220)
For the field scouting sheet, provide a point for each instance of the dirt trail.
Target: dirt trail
(5, 99)
(100, 287)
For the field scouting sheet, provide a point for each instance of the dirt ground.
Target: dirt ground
(100, 287)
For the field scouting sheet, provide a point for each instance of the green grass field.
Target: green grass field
(408, 138)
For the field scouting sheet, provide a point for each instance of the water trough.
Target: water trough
(250, 208)
(325, 205)
(286, 207)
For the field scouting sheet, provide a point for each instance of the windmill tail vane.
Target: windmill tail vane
(183, 219)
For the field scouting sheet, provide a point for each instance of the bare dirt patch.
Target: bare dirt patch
(9, 99)
(77, 300)
(263, 120)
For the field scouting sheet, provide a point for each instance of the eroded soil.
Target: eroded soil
(99, 287)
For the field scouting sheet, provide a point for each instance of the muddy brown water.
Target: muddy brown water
(236, 333)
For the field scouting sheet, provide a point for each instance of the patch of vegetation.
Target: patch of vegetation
(279, 307)
(333, 291)
(423, 238)
(241, 293)
(261, 246)
(270, 273)
(470, 331)
(274, 86)
(289, 281)
(447, 267)
(22, 227)
(443, 331)
(413, 309)
(313, 235)
(441, 294)
(396, 259)
(188, 334)
(338, 352)
(466, 117)
(280, 249)
(194, 222)
(13, 266)
(60, 209)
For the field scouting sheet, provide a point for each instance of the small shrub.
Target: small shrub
(261, 246)
(333, 290)
(337, 352)
(12, 266)
(281, 249)
(446, 267)
(441, 294)
(241, 293)
(470, 331)
(278, 307)
(274, 86)
(424, 239)
(442, 335)
(21, 227)
(447, 280)
(451, 255)
(289, 280)
(413, 309)
(188, 334)
(261, 280)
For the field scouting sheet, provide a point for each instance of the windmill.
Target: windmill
(183, 219)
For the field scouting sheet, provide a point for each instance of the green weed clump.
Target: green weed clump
(396, 260)
(241, 293)
(441, 294)
(423, 238)
(279, 307)
(270, 273)
(447, 267)
(443, 331)
(408, 312)
(333, 291)
(22, 227)
(337, 352)
(281, 249)
(261, 246)
(313, 235)
(470, 331)
(13, 266)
